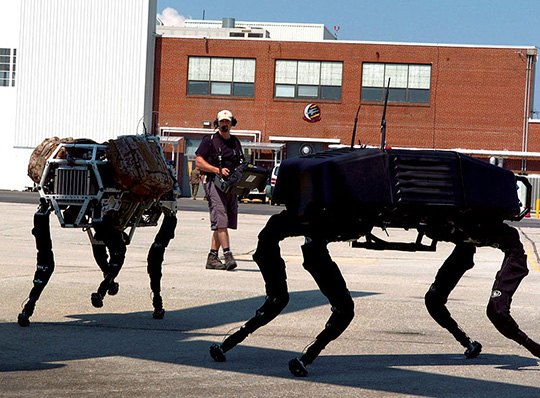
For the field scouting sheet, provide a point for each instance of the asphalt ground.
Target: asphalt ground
(392, 347)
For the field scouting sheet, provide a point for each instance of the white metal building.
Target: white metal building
(83, 70)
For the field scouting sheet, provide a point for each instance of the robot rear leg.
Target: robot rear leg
(448, 276)
(155, 261)
(512, 272)
(114, 242)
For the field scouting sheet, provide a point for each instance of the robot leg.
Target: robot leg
(155, 261)
(326, 274)
(102, 259)
(448, 276)
(114, 241)
(512, 272)
(45, 263)
(268, 258)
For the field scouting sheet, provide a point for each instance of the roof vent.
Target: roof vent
(228, 23)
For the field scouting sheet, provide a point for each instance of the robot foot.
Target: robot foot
(158, 314)
(97, 300)
(297, 368)
(473, 349)
(113, 288)
(23, 319)
(217, 353)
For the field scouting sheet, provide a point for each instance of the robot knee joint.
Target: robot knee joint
(433, 298)
(498, 310)
(273, 306)
(345, 311)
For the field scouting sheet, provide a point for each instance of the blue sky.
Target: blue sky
(494, 22)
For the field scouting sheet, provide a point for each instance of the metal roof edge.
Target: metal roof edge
(305, 139)
(366, 42)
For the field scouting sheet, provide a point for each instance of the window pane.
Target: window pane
(397, 74)
(373, 75)
(419, 96)
(244, 70)
(220, 88)
(284, 91)
(419, 76)
(244, 89)
(397, 94)
(197, 87)
(198, 68)
(309, 72)
(308, 91)
(331, 73)
(286, 72)
(4, 66)
(4, 82)
(330, 92)
(221, 69)
(372, 94)
(4, 51)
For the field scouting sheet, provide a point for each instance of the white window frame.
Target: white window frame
(213, 74)
(307, 79)
(408, 78)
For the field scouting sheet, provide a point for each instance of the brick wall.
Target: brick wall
(477, 94)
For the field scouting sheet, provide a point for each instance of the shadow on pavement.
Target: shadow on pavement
(178, 340)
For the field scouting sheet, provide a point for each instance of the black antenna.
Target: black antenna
(383, 121)
(354, 128)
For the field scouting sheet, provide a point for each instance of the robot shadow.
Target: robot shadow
(181, 339)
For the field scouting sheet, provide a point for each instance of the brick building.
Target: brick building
(441, 96)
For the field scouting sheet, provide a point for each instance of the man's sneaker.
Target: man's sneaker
(213, 262)
(230, 262)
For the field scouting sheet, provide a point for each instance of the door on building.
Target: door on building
(190, 146)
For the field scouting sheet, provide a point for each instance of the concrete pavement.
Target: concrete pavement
(392, 347)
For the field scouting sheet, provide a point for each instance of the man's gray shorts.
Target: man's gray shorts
(223, 208)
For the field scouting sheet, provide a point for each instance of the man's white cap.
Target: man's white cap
(225, 115)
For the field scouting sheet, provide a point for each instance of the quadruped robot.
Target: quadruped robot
(343, 194)
(80, 185)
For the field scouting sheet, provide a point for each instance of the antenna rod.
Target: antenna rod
(354, 128)
(383, 121)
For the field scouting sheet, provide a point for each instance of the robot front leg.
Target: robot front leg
(512, 272)
(268, 258)
(448, 276)
(155, 261)
(325, 272)
(45, 262)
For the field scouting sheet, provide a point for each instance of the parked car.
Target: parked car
(271, 184)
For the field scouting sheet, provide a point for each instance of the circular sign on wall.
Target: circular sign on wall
(312, 113)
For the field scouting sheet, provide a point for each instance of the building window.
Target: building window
(7, 67)
(409, 83)
(308, 80)
(221, 76)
